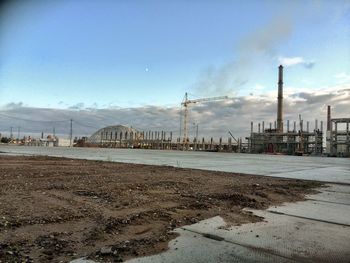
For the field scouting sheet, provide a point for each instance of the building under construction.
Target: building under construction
(338, 136)
(297, 140)
(120, 136)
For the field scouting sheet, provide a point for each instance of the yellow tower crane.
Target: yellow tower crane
(187, 102)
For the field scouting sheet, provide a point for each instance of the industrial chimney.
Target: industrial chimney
(328, 118)
(280, 100)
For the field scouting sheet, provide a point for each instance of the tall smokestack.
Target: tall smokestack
(328, 118)
(280, 100)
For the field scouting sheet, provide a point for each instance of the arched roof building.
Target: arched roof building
(114, 133)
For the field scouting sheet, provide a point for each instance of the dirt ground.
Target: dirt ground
(57, 209)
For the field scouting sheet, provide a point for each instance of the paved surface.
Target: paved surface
(311, 168)
(316, 230)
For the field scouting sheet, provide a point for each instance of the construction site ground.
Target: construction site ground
(59, 209)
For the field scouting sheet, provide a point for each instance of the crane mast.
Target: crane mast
(187, 102)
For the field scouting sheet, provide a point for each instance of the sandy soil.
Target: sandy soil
(56, 209)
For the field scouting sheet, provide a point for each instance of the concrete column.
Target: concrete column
(251, 137)
(336, 137)
(287, 125)
(301, 126)
(330, 126)
(347, 138)
(263, 128)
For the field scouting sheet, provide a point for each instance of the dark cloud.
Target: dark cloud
(77, 106)
(14, 105)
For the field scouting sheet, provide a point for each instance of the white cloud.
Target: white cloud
(293, 61)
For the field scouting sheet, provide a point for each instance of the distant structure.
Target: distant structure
(292, 141)
(118, 134)
(49, 141)
(338, 136)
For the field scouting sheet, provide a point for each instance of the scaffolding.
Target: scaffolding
(297, 142)
(339, 140)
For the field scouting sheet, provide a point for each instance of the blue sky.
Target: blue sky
(102, 54)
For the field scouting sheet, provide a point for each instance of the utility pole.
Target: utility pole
(54, 131)
(18, 132)
(196, 146)
(11, 135)
(71, 132)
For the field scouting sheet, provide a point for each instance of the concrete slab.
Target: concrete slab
(301, 167)
(182, 249)
(317, 211)
(326, 174)
(288, 237)
(331, 197)
(336, 188)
